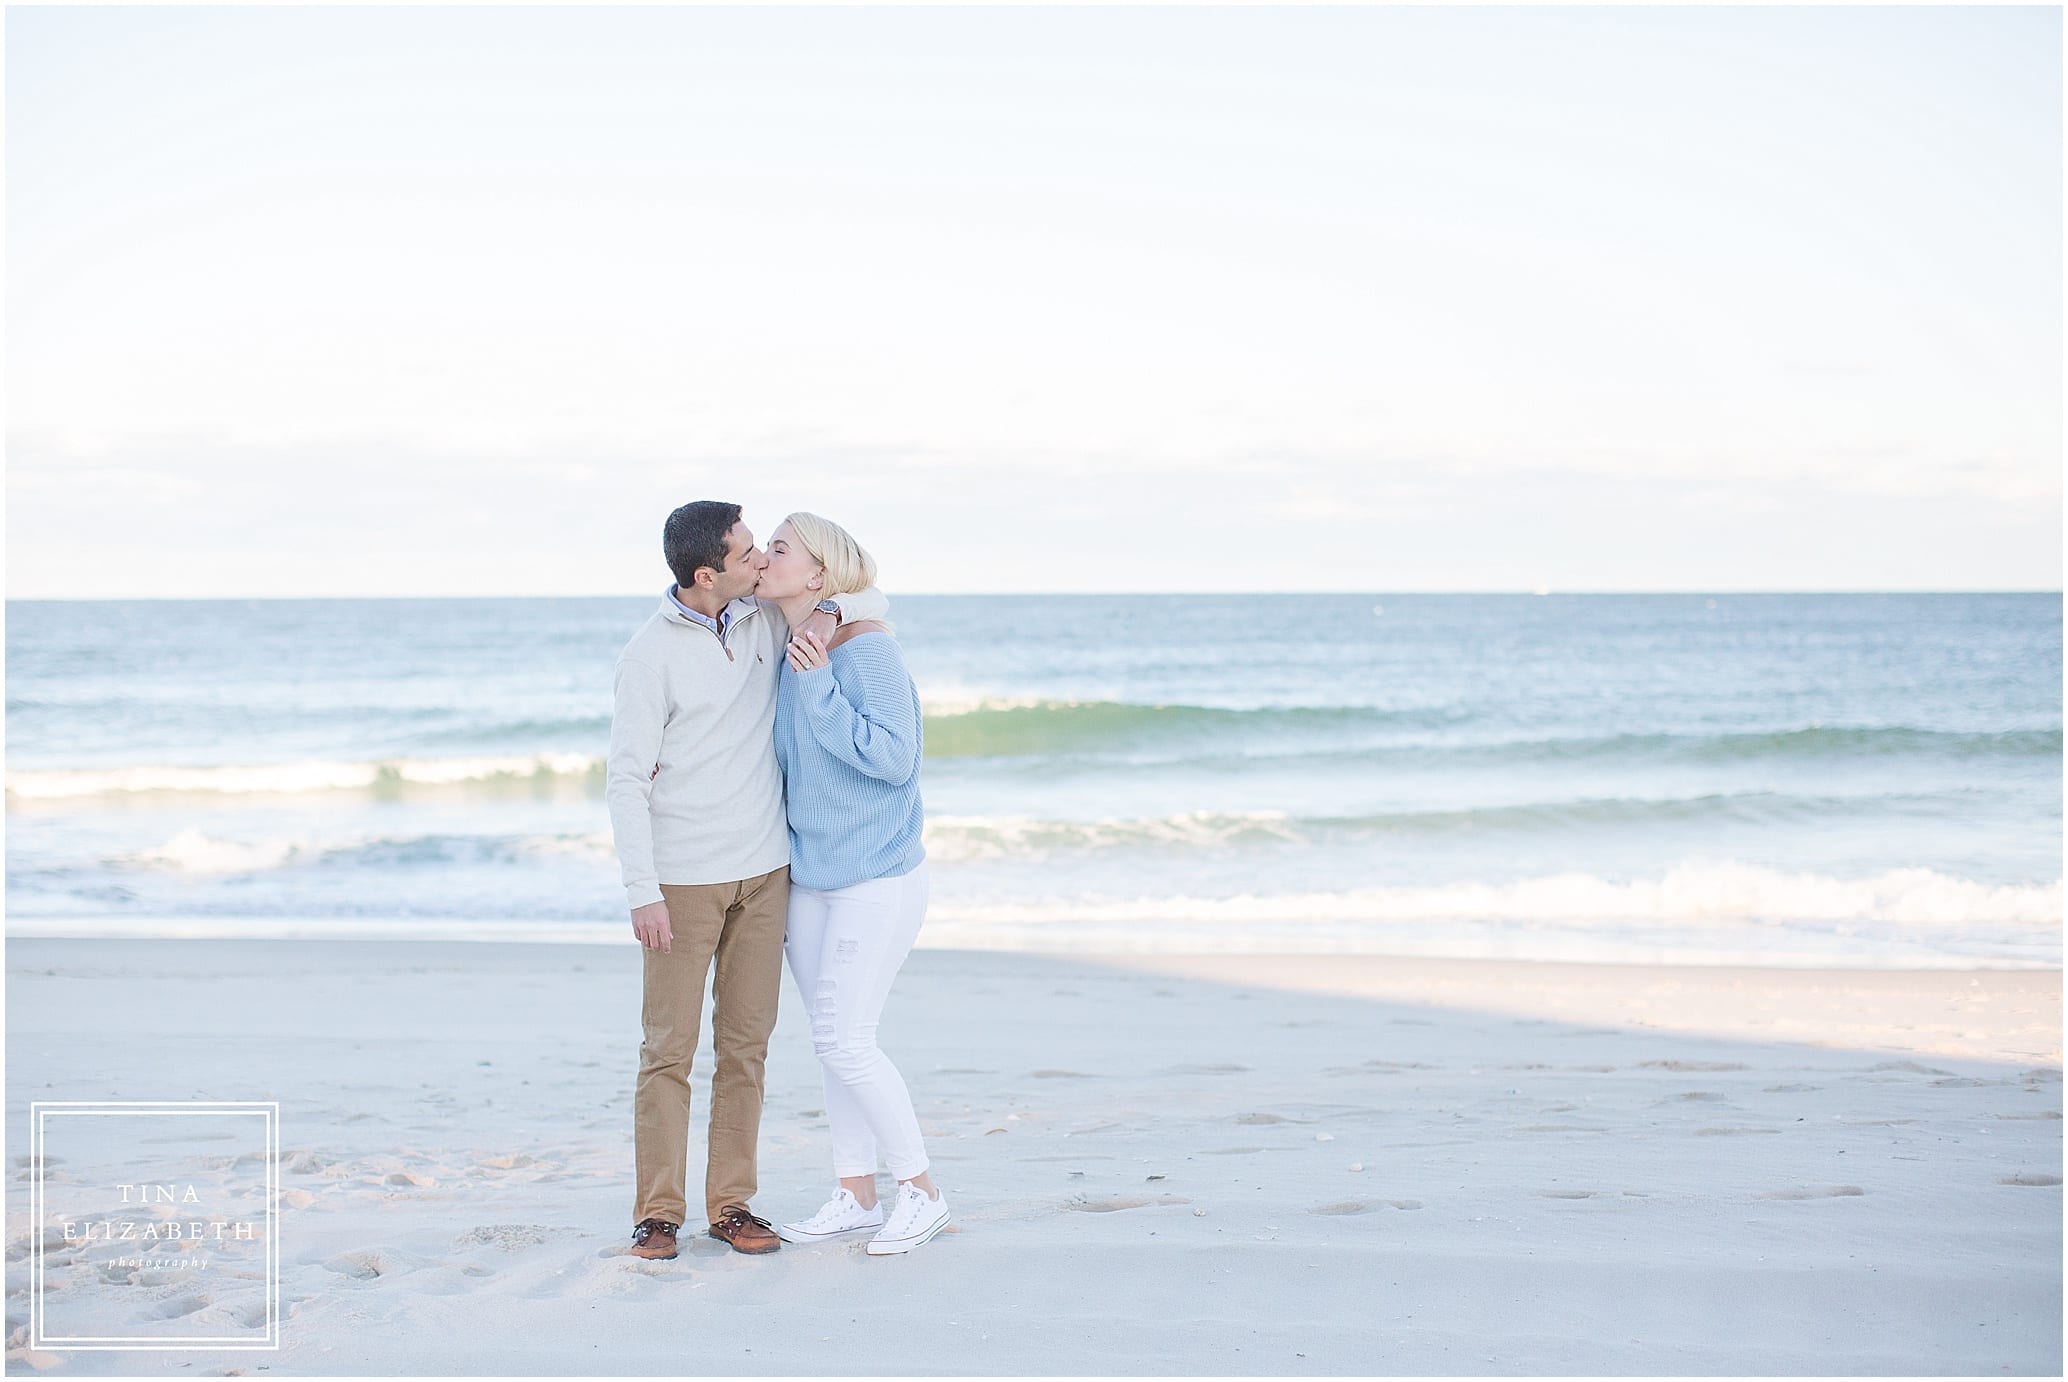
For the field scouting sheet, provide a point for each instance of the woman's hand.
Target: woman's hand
(807, 651)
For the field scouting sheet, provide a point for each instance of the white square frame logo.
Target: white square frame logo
(41, 1111)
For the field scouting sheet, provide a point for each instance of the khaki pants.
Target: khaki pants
(741, 926)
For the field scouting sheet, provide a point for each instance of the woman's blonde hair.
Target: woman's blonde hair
(849, 567)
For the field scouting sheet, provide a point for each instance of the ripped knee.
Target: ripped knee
(825, 1017)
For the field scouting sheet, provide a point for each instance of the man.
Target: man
(696, 808)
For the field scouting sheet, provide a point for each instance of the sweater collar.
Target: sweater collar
(679, 613)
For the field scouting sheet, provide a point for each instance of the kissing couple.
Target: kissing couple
(763, 783)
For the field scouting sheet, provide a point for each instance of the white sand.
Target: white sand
(1565, 1169)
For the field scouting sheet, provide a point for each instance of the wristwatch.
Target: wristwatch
(828, 607)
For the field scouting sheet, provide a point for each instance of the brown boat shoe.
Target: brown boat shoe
(654, 1238)
(746, 1232)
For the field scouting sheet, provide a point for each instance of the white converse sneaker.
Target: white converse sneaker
(915, 1218)
(838, 1217)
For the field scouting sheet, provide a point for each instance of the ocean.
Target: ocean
(1813, 779)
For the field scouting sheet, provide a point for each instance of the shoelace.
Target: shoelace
(648, 1227)
(736, 1219)
(911, 1204)
(836, 1209)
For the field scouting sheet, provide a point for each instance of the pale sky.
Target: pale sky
(463, 301)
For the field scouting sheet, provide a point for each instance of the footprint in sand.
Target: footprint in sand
(1229, 1151)
(1112, 1204)
(506, 1237)
(1257, 1120)
(1813, 1193)
(2028, 1180)
(185, 1305)
(1559, 1127)
(1691, 1065)
(366, 1264)
(1062, 1075)
(1342, 1207)
(455, 1279)
(1791, 1089)
(1909, 1067)
(1227, 1069)
(1692, 1095)
(2050, 1116)
(1730, 1132)
(363, 1265)
(639, 1266)
(1568, 1194)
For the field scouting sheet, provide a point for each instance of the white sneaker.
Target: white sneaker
(838, 1217)
(915, 1218)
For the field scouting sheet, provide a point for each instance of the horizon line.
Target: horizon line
(1058, 594)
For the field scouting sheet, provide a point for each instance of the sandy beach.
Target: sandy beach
(1263, 1165)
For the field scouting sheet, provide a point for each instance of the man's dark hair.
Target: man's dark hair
(695, 537)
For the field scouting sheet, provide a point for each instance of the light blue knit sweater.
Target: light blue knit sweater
(849, 738)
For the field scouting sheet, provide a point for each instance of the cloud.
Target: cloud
(314, 307)
(374, 516)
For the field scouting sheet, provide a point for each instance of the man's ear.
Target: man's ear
(705, 578)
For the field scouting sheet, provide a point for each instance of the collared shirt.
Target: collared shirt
(725, 616)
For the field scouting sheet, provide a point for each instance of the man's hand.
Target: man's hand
(650, 924)
(821, 623)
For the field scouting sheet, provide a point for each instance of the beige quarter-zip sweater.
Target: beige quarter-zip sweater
(694, 791)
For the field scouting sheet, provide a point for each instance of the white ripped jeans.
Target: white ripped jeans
(845, 946)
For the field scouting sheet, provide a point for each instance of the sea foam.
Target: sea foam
(295, 778)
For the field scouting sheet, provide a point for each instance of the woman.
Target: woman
(847, 733)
